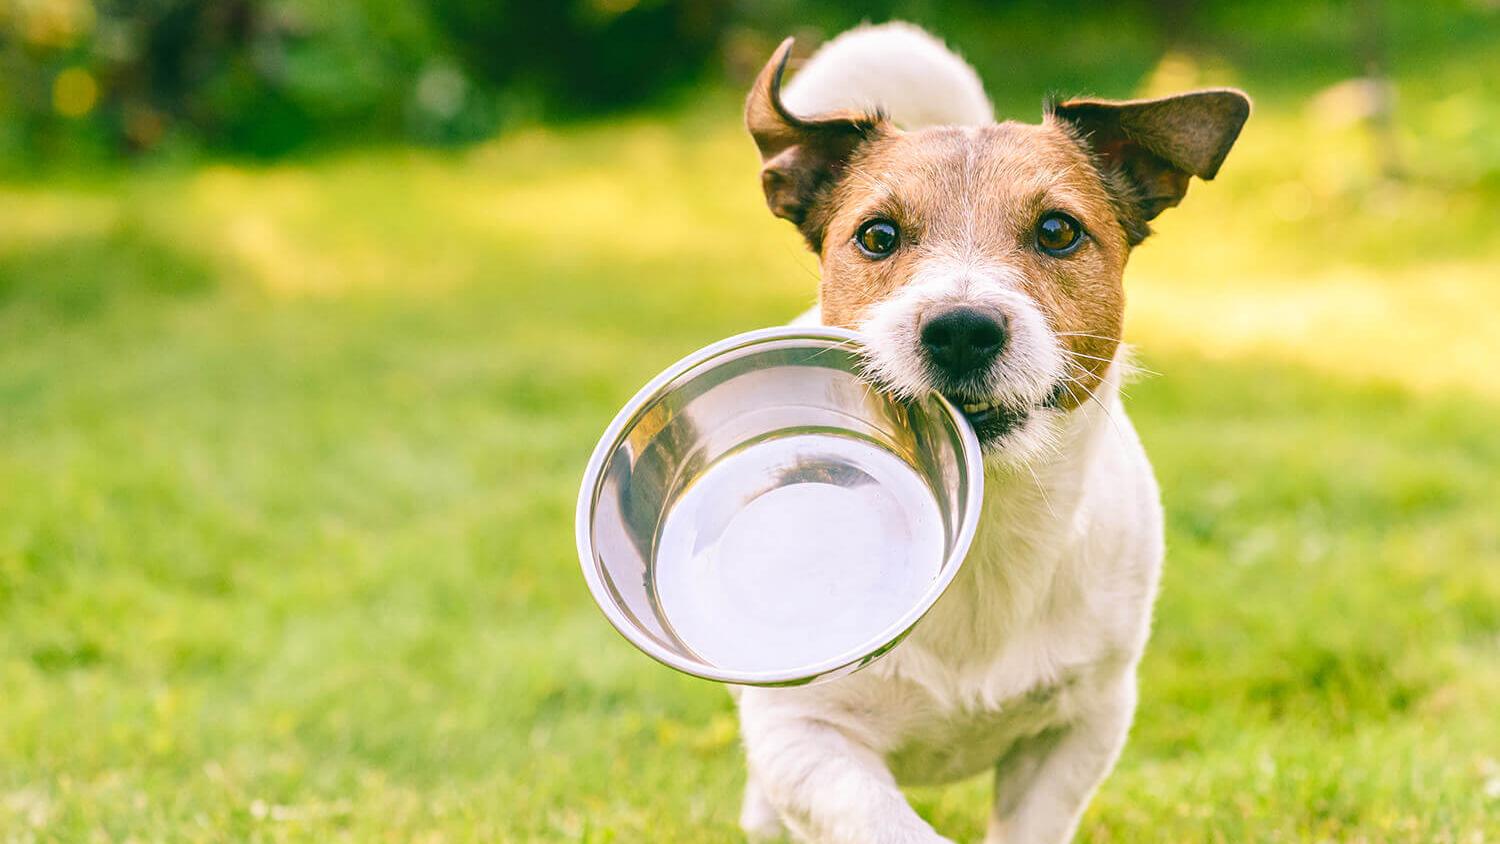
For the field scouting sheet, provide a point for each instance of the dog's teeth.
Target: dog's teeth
(977, 408)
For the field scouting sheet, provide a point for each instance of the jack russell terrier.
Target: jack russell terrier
(983, 260)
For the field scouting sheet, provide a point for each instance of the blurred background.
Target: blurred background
(311, 312)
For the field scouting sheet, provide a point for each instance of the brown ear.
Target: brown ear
(1153, 146)
(800, 156)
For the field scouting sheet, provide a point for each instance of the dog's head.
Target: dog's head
(986, 262)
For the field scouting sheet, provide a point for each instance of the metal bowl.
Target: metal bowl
(760, 515)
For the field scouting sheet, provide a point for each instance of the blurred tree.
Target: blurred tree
(238, 74)
(266, 76)
(584, 55)
(262, 77)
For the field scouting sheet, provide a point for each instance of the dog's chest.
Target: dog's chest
(963, 742)
(968, 691)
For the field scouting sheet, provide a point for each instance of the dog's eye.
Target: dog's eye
(878, 238)
(1057, 233)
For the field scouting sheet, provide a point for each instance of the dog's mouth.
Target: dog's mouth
(993, 419)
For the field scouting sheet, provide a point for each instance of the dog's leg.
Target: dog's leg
(828, 788)
(1044, 783)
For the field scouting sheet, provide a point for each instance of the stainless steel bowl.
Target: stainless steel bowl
(758, 514)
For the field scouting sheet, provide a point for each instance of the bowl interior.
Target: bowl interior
(759, 514)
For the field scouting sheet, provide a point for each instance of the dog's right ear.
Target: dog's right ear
(800, 156)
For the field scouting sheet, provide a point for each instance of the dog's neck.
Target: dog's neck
(1038, 494)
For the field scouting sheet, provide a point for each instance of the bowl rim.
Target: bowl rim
(971, 457)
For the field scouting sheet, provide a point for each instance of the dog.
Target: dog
(982, 260)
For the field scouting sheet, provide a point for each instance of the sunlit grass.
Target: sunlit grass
(288, 456)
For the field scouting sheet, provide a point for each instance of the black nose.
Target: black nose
(963, 341)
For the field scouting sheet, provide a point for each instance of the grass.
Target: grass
(288, 457)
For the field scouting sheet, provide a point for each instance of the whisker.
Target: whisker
(1132, 366)
(1120, 432)
(1085, 334)
(1041, 489)
(1092, 357)
(838, 345)
(1083, 370)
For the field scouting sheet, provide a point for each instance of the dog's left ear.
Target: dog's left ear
(800, 156)
(1154, 146)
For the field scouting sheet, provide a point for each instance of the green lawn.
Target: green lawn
(288, 458)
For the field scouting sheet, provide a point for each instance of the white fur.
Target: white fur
(896, 67)
(1026, 665)
(1022, 377)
